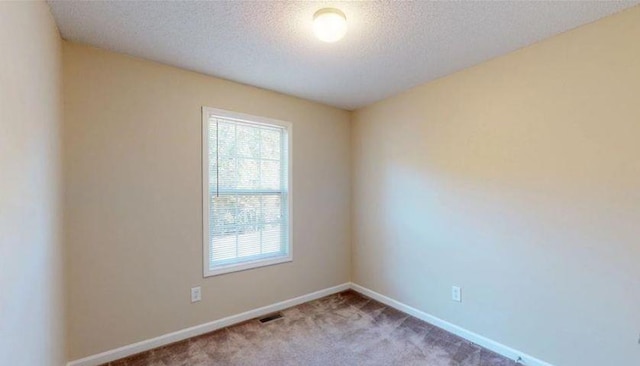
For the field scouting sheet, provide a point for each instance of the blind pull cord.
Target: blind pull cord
(217, 162)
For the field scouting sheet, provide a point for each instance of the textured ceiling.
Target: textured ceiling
(390, 46)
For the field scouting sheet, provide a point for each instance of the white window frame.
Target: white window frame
(256, 120)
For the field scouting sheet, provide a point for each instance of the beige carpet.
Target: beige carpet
(343, 329)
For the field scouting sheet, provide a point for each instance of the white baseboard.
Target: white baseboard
(180, 335)
(183, 334)
(487, 343)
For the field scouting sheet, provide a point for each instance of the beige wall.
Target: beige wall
(31, 290)
(519, 180)
(133, 199)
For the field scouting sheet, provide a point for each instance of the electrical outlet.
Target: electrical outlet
(456, 293)
(196, 294)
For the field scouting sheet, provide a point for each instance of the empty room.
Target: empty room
(322, 183)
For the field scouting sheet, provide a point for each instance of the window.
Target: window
(246, 191)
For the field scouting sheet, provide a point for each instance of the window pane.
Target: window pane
(248, 141)
(271, 208)
(271, 141)
(224, 249)
(248, 174)
(270, 174)
(226, 138)
(228, 174)
(271, 239)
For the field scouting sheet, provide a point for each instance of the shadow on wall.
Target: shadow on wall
(542, 227)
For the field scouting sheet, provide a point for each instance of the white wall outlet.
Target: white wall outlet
(456, 293)
(196, 294)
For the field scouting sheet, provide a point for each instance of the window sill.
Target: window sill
(246, 266)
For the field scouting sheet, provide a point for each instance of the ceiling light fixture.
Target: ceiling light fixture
(329, 24)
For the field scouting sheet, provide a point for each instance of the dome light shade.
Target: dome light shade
(329, 24)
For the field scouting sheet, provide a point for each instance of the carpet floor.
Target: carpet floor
(342, 329)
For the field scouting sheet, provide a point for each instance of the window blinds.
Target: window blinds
(247, 191)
